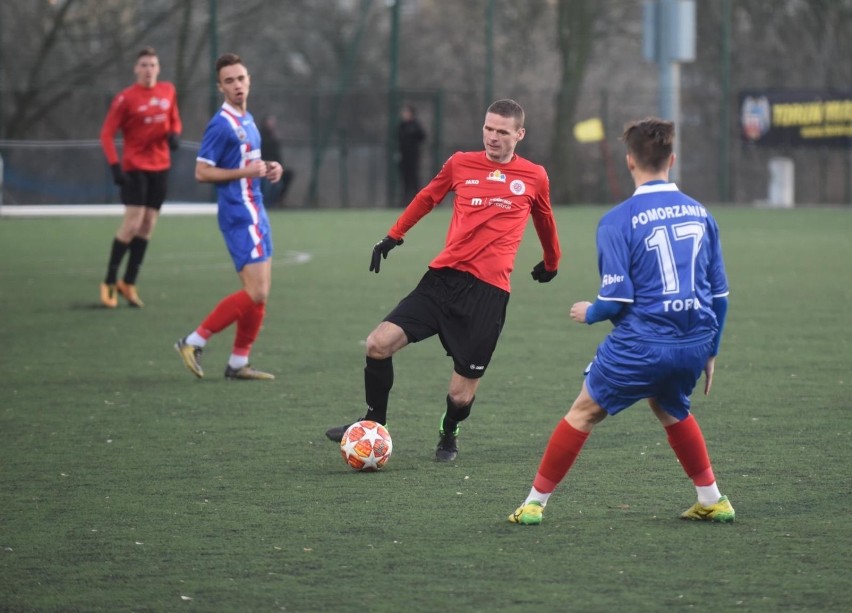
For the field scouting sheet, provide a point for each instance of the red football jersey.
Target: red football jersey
(145, 116)
(490, 211)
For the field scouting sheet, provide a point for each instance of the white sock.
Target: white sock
(708, 494)
(537, 496)
(237, 361)
(196, 340)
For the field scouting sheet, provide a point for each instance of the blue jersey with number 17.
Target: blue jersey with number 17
(659, 253)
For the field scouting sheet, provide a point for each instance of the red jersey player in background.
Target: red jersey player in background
(147, 115)
(463, 296)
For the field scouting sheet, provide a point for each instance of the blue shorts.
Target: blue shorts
(248, 245)
(625, 372)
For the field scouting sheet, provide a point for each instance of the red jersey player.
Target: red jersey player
(463, 296)
(147, 115)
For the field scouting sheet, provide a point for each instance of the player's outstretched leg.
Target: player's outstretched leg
(378, 381)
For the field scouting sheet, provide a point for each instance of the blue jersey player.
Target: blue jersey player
(663, 286)
(230, 158)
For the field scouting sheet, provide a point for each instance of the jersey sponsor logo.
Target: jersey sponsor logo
(668, 212)
(517, 187)
(609, 279)
(496, 176)
(472, 182)
(500, 203)
(679, 305)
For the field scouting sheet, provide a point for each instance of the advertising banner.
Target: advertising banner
(798, 118)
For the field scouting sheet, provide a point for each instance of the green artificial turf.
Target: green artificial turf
(128, 485)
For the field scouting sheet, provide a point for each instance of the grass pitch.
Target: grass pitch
(126, 484)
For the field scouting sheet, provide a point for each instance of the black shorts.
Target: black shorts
(467, 315)
(145, 188)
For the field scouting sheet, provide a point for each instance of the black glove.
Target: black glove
(541, 274)
(117, 176)
(174, 140)
(380, 250)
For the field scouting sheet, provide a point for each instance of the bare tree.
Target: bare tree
(71, 46)
(575, 26)
(64, 50)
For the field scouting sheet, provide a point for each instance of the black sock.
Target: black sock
(378, 381)
(455, 415)
(116, 254)
(137, 253)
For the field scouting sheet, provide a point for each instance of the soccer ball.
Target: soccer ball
(366, 445)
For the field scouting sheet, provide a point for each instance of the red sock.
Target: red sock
(687, 442)
(229, 310)
(562, 449)
(248, 327)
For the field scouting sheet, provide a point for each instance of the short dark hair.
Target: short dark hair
(650, 141)
(229, 59)
(508, 108)
(146, 51)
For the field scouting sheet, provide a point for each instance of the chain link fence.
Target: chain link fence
(340, 147)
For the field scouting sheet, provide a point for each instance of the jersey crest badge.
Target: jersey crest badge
(517, 187)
